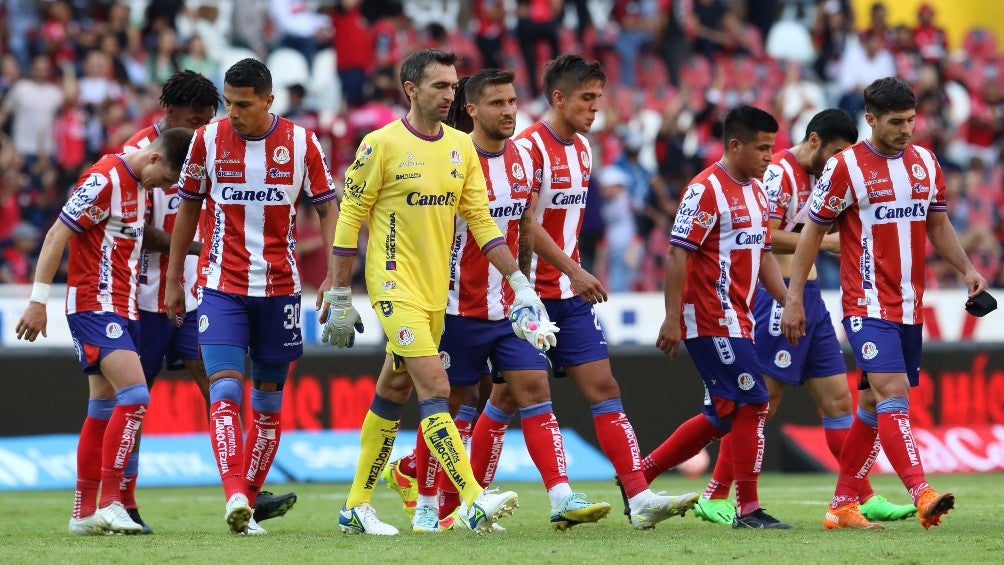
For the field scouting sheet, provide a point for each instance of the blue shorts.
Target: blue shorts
(581, 338)
(885, 347)
(96, 334)
(818, 353)
(468, 343)
(267, 326)
(730, 370)
(160, 338)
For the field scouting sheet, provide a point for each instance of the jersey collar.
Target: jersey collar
(422, 136)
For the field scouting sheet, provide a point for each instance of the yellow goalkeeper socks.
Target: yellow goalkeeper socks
(376, 439)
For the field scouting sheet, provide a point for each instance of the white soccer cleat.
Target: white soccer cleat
(661, 506)
(254, 529)
(87, 526)
(363, 520)
(238, 513)
(426, 520)
(488, 508)
(115, 520)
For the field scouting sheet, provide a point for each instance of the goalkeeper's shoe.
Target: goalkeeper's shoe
(238, 513)
(363, 520)
(660, 506)
(715, 510)
(426, 520)
(848, 516)
(575, 509)
(487, 509)
(406, 487)
(931, 506)
(878, 509)
(134, 514)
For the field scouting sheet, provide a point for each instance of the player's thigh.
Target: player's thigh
(887, 353)
(581, 340)
(122, 368)
(411, 331)
(502, 398)
(831, 394)
(428, 375)
(394, 383)
(156, 333)
(730, 370)
(464, 349)
(276, 335)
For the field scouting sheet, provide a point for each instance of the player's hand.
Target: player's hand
(174, 302)
(32, 322)
(320, 305)
(793, 320)
(669, 337)
(975, 282)
(588, 287)
(535, 327)
(831, 243)
(343, 321)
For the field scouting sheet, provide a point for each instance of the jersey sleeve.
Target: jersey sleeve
(474, 203)
(363, 181)
(193, 183)
(938, 203)
(536, 159)
(89, 203)
(764, 196)
(319, 185)
(696, 216)
(779, 191)
(833, 193)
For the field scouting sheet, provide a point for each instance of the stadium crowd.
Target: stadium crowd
(78, 78)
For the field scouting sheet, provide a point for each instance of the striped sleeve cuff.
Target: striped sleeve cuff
(71, 223)
(821, 220)
(492, 244)
(684, 243)
(344, 251)
(938, 207)
(323, 197)
(192, 196)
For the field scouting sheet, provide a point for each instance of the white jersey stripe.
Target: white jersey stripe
(901, 183)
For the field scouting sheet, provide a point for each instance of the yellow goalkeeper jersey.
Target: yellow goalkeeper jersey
(411, 186)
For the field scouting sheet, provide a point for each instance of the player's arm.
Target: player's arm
(192, 188)
(676, 272)
(770, 276)
(35, 317)
(946, 243)
(793, 318)
(524, 246)
(158, 240)
(585, 285)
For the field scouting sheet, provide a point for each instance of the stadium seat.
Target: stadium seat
(288, 66)
(230, 55)
(789, 40)
(959, 103)
(325, 87)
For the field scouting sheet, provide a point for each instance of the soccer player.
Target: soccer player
(251, 169)
(817, 362)
(477, 330)
(558, 148)
(410, 179)
(189, 100)
(721, 243)
(886, 196)
(103, 222)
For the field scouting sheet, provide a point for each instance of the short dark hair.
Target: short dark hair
(832, 125)
(173, 144)
(470, 89)
(414, 65)
(889, 94)
(568, 72)
(189, 89)
(745, 123)
(250, 73)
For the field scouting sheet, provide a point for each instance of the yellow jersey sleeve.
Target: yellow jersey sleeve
(363, 180)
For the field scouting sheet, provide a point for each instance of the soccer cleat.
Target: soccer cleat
(134, 514)
(115, 520)
(715, 510)
(661, 506)
(268, 505)
(488, 507)
(575, 510)
(848, 516)
(406, 487)
(931, 506)
(426, 520)
(624, 498)
(879, 509)
(87, 526)
(363, 520)
(759, 520)
(254, 529)
(448, 522)
(238, 513)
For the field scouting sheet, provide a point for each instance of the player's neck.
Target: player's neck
(733, 171)
(486, 144)
(803, 154)
(422, 125)
(562, 128)
(882, 148)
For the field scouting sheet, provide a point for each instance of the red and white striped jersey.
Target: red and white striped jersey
(880, 204)
(161, 209)
(564, 167)
(252, 187)
(478, 289)
(724, 222)
(788, 187)
(106, 210)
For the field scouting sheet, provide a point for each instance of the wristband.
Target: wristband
(39, 293)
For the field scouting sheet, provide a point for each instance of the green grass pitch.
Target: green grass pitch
(190, 529)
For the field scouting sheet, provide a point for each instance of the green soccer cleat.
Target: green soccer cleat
(715, 510)
(406, 487)
(575, 509)
(877, 508)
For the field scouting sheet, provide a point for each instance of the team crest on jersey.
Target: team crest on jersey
(389, 285)
(584, 158)
(405, 336)
(782, 359)
(517, 171)
(869, 350)
(444, 357)
(918, 171)
(455, 157)
(386, 308)
(704, 219)
(113, 330)
(746, 381)
(281, 155)
(724, 348)
(203, 323)
(856, 324)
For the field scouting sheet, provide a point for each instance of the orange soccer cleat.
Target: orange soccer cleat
(848, 516)
(931, 506)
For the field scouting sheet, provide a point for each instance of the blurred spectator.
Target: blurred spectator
(583, 19)
(878, 24)
(70, 136)
(354, 46)
(861, 65)
(125, 69)
(18, 264)
(392, 36)
(98, 84)
(798, 101)
(986, 122)
(163, 62)
(706, 26)
(640, 23)
(929, 38)
(22, 19)
(10, 72)
(300, 114)
(537, 21)
(299, 26)
(312, 251)
(158, 16)
(56, 33)
(830, 34)
(247, 26)
(489, 29)
(31, 105)
(647, 192)
(196, 59)
(620, 239)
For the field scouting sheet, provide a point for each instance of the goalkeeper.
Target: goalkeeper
(410, 179)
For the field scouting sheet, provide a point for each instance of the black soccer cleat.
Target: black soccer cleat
(134, 514)
(624, 497)
(759, 520)
(269, 505)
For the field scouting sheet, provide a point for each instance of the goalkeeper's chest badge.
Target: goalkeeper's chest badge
(405, 336)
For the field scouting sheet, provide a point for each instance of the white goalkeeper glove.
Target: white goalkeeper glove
(343, 320)
(528, 316)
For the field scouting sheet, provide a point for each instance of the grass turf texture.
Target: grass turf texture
(190, 528)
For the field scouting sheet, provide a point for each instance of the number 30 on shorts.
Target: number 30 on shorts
(292, 312)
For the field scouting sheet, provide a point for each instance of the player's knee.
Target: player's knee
(601, 388)
(836, 406)
(133, 394)
(503, 399)
(395, 386)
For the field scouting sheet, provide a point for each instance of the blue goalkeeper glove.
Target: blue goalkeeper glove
(528, 316)
(343, 320)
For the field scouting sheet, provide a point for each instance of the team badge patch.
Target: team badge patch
(386, 308)
(405, 336)
(281, 155)
(444, 357)
(918, 171)
(517, 171)
(704, 219)
(782, 359)
(584, 158)
(856, 324)
(746, 381)
(455, 157)
(203, 323)
(869, 350)
(113, 330)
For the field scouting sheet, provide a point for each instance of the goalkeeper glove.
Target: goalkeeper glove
(528, 315)
(343, 320)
